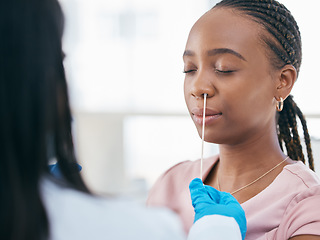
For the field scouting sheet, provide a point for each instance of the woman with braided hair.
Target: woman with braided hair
(243, 57)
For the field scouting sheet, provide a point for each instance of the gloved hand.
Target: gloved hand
(55, 170)
(208, 201)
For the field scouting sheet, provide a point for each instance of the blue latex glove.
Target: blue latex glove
(208, 201)
(55, 170)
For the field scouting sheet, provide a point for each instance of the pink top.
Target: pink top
(289, 206)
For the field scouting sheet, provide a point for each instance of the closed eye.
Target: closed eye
(226, 71)
(189, 71)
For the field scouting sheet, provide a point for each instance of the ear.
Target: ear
(286, 79)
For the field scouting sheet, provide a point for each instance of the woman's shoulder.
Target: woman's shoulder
(176, 179)
(294, 183)
(305, 182)
(302, 175)
(287, 207)
(179, 170)
(302, 216)
(187, 169)
(169, 183)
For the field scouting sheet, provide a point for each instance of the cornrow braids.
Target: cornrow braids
(279, 22)
(284, 43)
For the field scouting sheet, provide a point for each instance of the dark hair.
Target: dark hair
(284, 48)
(34, 108)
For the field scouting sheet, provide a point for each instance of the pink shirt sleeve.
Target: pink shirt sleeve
(302, 215)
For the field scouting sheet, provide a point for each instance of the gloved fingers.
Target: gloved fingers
(213, 193)
(221, 197)
(196, 188)
(196, 184)
(201, 193)
(197, 191)
(228, 199)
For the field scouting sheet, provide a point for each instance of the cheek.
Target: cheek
(249, 102)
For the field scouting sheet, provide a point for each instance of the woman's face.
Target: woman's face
(225, 58)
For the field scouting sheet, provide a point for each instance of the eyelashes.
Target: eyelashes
(189, 71)
(225, 72)
(216, 71)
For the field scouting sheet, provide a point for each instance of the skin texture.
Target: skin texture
(225, 58)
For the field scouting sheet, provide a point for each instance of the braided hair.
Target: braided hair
(284, 48)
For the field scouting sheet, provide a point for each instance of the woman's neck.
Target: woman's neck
(259, 152)
(242, 164)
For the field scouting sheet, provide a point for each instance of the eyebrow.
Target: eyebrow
(216, 51)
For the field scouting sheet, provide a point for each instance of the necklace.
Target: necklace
(255, 179)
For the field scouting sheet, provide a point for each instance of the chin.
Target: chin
(215, 138)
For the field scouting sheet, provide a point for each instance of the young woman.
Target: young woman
(36, 125)
(245, 55)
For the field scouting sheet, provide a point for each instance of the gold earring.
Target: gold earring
(280, 105)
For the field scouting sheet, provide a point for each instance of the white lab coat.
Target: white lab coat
(79, 216)
(215, 227)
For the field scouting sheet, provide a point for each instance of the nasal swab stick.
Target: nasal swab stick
(202, 135)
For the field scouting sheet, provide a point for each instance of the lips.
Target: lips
(211, 115)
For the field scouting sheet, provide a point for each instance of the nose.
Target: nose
(202, 84)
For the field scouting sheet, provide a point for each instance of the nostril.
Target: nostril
(199, 93)
(200, 96)
(205, 95)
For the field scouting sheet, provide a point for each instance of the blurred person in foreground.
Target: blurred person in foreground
(36, 125)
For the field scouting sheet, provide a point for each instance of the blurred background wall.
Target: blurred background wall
(124, 69)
